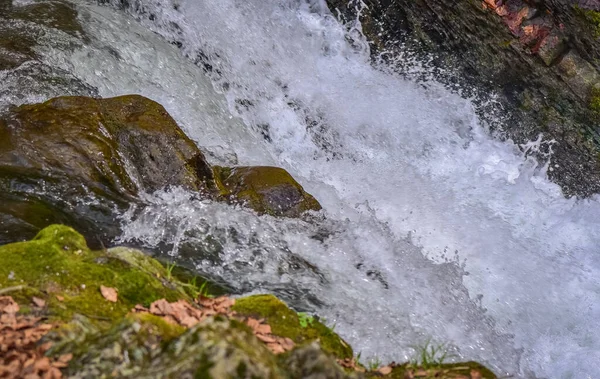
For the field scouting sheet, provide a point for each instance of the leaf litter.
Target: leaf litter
(187, 315)
(21, 355)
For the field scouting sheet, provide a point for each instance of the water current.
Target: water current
(431, 229)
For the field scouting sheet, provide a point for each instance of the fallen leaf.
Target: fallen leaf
(60, 298)
(8, 305)
(475, 374)
(253, 323)
(109, 293)
(65, 358)
(385, 370)
(263, 329)
(275, 348)
(40, 303)
(287, 343)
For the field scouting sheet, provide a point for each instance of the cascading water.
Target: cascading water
(430, 229)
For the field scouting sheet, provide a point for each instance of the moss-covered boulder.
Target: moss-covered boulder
(80, 160)
(74, 160)
(270, 190)
(58, 267)
(122, 145)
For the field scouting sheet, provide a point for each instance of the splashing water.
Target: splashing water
(430, 228)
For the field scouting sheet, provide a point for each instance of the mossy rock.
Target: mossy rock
(287, 323)
(126, 144)
(270, 190)
(215, 348)
(107, 340)
(57, 264)
(89, 157)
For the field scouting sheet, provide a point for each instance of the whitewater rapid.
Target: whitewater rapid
(430, 229)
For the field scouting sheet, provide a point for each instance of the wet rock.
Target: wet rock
(146, 348)
(80, 161)
(270, 190)
(18, 30)
(540, 59)
(75, 159)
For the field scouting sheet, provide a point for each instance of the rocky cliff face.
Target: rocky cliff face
(539, 58)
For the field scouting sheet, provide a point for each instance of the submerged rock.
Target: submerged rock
(27, 29)
(270, 190)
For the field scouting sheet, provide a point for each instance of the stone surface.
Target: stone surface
(76, 159)
(80, 161)
(270, 190)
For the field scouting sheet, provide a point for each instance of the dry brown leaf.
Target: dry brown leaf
(252, 323)
(8, 305)
(109, 293)
(287, 343)
(140, 308)
(40, 303)
(189, 321)
(276, 348)
(160, 307)
(19, 338)
(385, 370)
(475, 374)
(65, 358)
(60, 298)
(263, 329)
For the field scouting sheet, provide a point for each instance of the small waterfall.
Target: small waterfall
(431, 229)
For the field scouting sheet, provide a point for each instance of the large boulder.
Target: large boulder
(77, 159)
(80, 161)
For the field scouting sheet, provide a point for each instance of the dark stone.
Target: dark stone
(75, 160)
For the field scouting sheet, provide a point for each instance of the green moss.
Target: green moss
(159, 327)
(58, 262)
(591, 16)
(594, 102)
(285, 322)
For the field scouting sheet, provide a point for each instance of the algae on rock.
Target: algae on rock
(270, 190)
(80, 161)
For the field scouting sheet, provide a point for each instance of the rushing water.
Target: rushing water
(430, 229)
